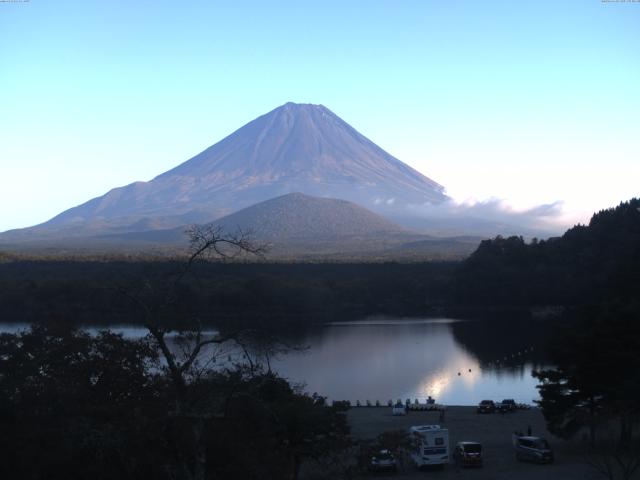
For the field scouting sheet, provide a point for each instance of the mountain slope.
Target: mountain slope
(294, 148)
(281, 220)
(294, 226)
(301, 216)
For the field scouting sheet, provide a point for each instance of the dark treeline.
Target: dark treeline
(595, 263)
(88, 292)
(588, 264)
(506, 341)
(592, 391)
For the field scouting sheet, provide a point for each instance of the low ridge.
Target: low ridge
(296, 215)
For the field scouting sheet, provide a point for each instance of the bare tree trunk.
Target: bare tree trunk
(592, 422)
(200, 454)
(205, 241)
(297, 463)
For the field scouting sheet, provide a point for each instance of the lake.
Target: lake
(456, 362)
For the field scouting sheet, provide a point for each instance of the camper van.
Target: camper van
(431, 445)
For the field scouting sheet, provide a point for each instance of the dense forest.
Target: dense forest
(594, 263)
(90, 292)
(69, 411)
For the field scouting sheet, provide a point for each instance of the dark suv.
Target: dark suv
(486, 406)
(507, 405)
(532, 449)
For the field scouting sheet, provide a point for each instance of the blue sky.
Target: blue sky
(530, 102)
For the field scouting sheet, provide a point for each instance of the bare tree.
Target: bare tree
(160, 304)
(614, 459)
(188, 355)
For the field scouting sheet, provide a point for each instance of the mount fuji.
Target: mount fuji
(294, 148)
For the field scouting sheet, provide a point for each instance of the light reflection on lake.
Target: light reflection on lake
(409, 359)
(387, 359)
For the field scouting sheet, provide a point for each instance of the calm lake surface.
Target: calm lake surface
(455, 362)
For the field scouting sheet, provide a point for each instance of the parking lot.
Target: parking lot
(492, 430)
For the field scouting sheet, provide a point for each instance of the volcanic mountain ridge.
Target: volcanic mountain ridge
(295, 148)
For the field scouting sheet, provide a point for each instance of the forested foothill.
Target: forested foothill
(595, 263)
(90, 292)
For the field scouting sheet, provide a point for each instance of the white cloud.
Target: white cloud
(546, 217)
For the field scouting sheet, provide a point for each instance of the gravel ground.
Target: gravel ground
(492, 430)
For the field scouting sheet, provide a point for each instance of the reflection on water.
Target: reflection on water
(456, 362)
(391, 321)
(386, 360)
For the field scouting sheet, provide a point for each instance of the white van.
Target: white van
(431, 445)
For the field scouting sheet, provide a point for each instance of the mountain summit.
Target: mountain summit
(294, 148)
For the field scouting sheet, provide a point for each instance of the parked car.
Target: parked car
(468, 454)
(507, 405)
(486, 406)
(383, 461)
(532, 449)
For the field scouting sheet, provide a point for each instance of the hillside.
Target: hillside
(294, 227)
(302, 227)
(296, 215)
